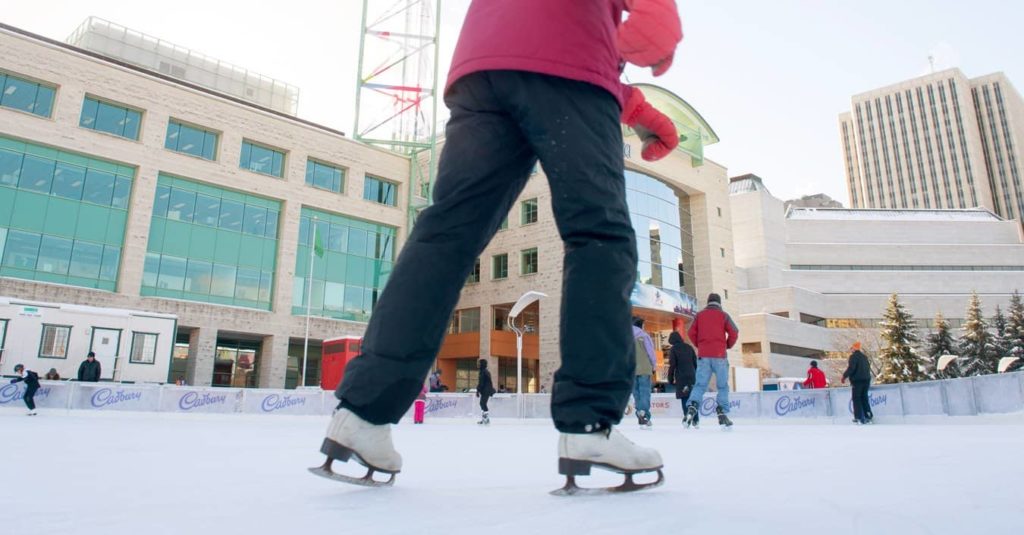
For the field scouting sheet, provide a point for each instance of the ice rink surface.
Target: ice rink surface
(112, 473)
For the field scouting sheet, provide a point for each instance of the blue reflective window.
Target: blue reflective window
(324, 176)
(198, 277)
(263, 160)
(10, 168)
(255, 220)
(163, 195)
(337, 239)
(54, 255)
(172, 273)
(36, 174)
(22, 249)
(380, 191)
(272, 217)
(21, 94)
(223, 284)
(99, 187)
(191, 140)
(86, 259)
(182, 205)
(110, 118)
(207, 210)
(122, 193)
(111, 261)
(247, 284)
(68, 181)
(231, 215)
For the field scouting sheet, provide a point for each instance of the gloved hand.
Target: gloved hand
(648, 38)
(657, 132)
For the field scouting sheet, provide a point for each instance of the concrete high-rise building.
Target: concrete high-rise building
(811, 281)
(940, 141)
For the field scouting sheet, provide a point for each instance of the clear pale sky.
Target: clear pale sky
(769, 76)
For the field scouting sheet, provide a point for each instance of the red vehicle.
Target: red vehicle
(336, 354)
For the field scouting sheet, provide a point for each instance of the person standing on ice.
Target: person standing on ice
(643, 347)
(682, 370)
(531, 80)
(484, 391)
(31, 379)
(815, 377)
(858, 371)
(714, 333)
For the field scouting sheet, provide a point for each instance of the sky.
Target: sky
(770, 78)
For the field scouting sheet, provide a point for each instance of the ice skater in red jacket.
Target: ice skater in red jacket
(531, 80)
(815, 377)
(714, 333)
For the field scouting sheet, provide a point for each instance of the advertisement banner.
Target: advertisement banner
(204, 400)
(885, 400)
(997, 393)
(51, 395)
(451, 406)
(654, 298)
(741, 405)
(922, 399)
(294, 402)
(115, 397)
(959, 397)
(666, 406)
(795, 404)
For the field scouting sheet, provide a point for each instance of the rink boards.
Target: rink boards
(990, 394)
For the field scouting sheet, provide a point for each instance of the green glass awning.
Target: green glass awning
(694, 132)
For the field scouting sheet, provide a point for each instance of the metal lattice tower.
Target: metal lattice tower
(396, 87)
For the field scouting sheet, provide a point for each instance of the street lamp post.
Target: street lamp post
(524, 301)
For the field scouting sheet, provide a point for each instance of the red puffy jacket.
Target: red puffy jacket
(566, 38)
(713, 332)
(815, 378)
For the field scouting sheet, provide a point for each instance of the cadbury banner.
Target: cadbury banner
(294, 402)
(205, 400)
(885, 400)
(51, 394)
(115, 397)
(795, 404)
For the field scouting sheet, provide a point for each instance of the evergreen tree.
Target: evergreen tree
(1000, 342)
(976, 349)
(901, 361)
(941, 343)
(1015, 331)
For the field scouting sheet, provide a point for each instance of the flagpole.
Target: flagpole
(309, 300)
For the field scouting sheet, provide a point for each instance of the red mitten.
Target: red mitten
(657, 131)
(648, 38)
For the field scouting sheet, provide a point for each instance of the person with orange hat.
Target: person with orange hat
(859, 373)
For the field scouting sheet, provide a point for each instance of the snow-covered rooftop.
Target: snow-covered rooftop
(850, 214)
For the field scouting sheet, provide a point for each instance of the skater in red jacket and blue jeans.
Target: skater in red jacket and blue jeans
(714, 333)
(531, 80)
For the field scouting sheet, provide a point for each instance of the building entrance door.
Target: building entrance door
(106, 343)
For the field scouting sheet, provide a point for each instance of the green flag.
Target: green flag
(318, 244)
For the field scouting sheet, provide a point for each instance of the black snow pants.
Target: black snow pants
(502, 123)
(861, 403)
(484, 398)
(29, 397)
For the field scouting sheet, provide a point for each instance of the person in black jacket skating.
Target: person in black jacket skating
(89, 371)
(859, 373)
(682, 370)
(484, 391)
(31, 379)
